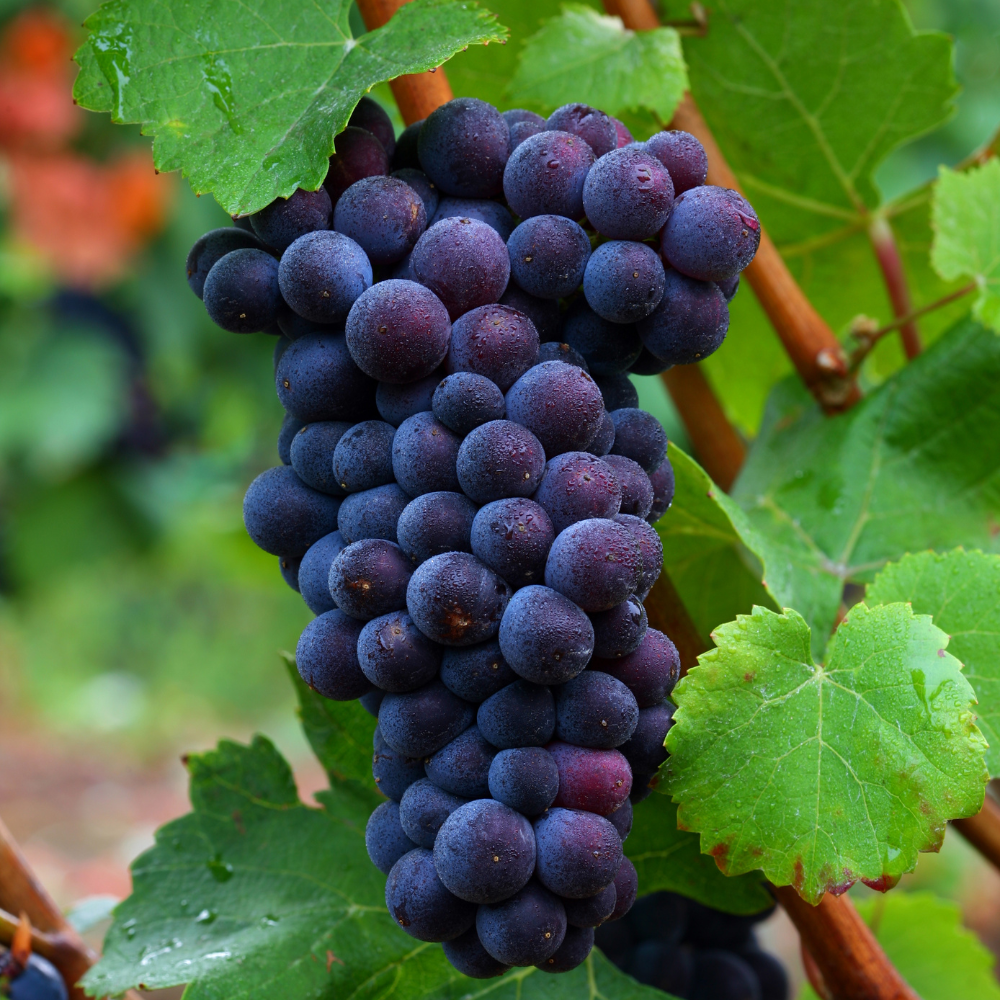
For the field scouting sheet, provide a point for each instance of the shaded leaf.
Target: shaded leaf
(246, 102)
(825, 775)
(961, 591)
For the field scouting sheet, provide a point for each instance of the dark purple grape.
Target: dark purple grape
(385, 839)
(424, 453)
(662, 480)
(395, 656)
(419, 902)
(372, 513)
(357, 154)
(314, 573)
(650, 671)
(624, 281)
(637, 490)
(485, 851)
(465, 400)
(500, 459)
(604, 439)
(721, 975)
(289, 568)
(709, 928)
(626, 889)
(543, 313)
(770, 973)
(327, 657)
(383, 215)
(644, 750)
(576, 486)
(212, 247)
(370, 702)
(242, 222)
(515, 115)
(293, 326)
(398, 331)
(595, 563)
(592, 911)
(468, 955)
(290, 426)
(369, 578)
(642, 785)
(667, 967)
(647, 364)
(578, 853)
(424, 187)
(561, 405)
(625, 137)
(650, 548)
(491, 212)
(712, 233)
(463, 766)
(526, 929)
(435, 523)
(418, 723)
(554, 351)
(596, 710)
(457, 600)
(690, 322)
(393, 772)
(464, 262)
(545, 175)
(513, 537)
(317, 380)
(524, 778)
(545, 637)
(618, 631)
(397, 402)
(282, 222)
(729, 287)
(522, 130)
(621, 819)
(369, 114)
(362, 457)
(321, 274)
(519, 715)
(494, 341)
(463, 148)
(577, 945)
(628, 194)
(597, 781)
(548, 256)
(609, 348)
(284, 516)
(639, 436)
(422, 810)
(595, 127)
(311, 453)
(241, 291)
(38, 980)
(406, 147)
(476, 672)
(683, 155)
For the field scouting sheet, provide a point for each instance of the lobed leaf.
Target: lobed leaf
(246, 101)
(961, 591)
(822, 775)
(966, 219)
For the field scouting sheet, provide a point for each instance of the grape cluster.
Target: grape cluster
(694, 952)
(468, 488)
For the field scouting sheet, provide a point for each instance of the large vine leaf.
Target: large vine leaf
(582, 55)
(961, 590)
(246, 101)
(255, 894)
(915, 465)
(669, 859)
(824, 775)
(967, 233)
(924, 939)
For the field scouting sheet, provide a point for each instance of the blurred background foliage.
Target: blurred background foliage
(134, 611)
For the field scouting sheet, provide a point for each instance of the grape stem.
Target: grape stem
(666, 613)
(883, 242)
(983, 831)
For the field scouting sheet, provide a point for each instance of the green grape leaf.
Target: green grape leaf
(967, 233)
(914, 465)
(714, 572)
(254, 894)
(924, 939)
(246, 103)
(585, 56)
(669, 859)
(825, 775)
(961, 591)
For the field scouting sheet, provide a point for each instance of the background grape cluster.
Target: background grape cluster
(467, 487)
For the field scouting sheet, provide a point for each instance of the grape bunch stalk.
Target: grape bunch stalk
(468, 487)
